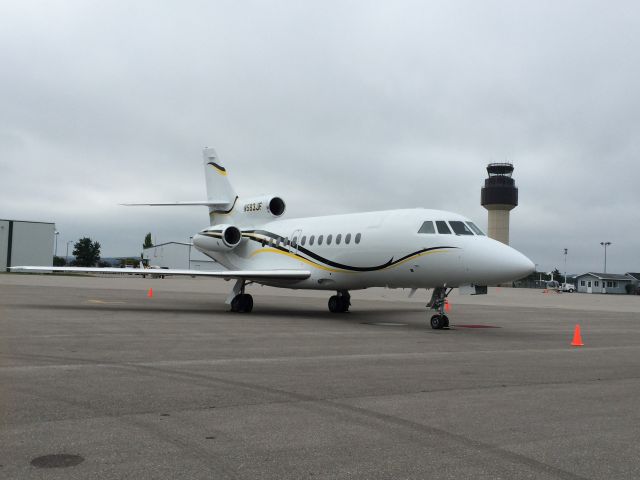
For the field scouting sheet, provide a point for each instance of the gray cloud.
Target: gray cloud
(337, 106)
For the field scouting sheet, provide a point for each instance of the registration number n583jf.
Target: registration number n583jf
(253, 207)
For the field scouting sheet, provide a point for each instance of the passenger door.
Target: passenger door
(295, 240)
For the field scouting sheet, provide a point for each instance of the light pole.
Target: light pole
(605, 245)
(56, 233)
(66, 258)
(566, 250)
(190, 243)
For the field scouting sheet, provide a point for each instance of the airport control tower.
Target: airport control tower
(499, 196)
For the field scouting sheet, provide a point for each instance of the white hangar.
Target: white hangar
(25, 243)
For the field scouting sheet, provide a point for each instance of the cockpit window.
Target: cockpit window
(475, 229)
(443, 227)
(427, 227)
(459, 228)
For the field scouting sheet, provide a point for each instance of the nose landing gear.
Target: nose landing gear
(437, 302)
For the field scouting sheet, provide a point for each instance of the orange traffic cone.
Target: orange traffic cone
(447, 307)
(577, 338)
(150, 293)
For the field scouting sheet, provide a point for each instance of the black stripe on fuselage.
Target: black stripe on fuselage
(329, 262)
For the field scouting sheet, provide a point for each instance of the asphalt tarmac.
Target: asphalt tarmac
(97, 380)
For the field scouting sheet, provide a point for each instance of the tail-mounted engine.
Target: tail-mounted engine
(266, 207)
(218, 238)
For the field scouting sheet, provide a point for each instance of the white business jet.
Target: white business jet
(413, 249)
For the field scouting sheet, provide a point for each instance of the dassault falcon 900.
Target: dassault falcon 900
(413, 248)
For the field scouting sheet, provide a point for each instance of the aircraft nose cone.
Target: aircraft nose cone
(496, 262)
(522, 266)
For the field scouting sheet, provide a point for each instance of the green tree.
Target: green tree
(147, 241)
(59, 261)
(87, 252)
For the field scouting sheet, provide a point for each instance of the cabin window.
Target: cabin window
(582, 283)
(329, 238)
(358, 237)
(347, 239)
(311, 239)
(320, 239)
(427, 227)
(338, 239)
(294, 242)
(443, 228)
(304, 240)
(459, 228)
(475, 229)
(596, 283)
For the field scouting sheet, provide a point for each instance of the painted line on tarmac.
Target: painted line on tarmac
(297, 359)
(105, 302)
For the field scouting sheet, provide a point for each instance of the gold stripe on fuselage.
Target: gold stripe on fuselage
(301, 259)
(338, 270)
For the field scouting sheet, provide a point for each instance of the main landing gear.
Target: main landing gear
(340, 303)
(240, 302)
(437, 302)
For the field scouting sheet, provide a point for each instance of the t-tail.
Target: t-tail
(225, 208)
(220, 192)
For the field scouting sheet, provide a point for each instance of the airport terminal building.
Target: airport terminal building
(604, 282)
(25, 243)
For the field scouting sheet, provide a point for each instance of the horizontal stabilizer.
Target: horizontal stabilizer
(227, 274)
(206, 203)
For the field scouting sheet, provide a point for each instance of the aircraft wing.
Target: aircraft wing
(226, 274)
(207, 203)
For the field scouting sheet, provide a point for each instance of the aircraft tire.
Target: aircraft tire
(343, 304)
(242, 303)
(246, 303)
(334, 304)
(235, 303)
(437, 322)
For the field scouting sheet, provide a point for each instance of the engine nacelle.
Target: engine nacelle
(218, 238)
(267, 206)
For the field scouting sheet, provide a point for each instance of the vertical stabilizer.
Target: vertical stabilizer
(219, 188)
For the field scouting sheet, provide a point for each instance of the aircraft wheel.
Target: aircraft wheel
(438, 322)
(343, 303)
(235, 303)
(247, 303)
(445, 319)
(334, 304)
(242, 303)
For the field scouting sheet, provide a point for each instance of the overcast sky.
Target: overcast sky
(335, 106)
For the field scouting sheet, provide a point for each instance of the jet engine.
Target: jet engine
(218, 238)
(267, 207)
